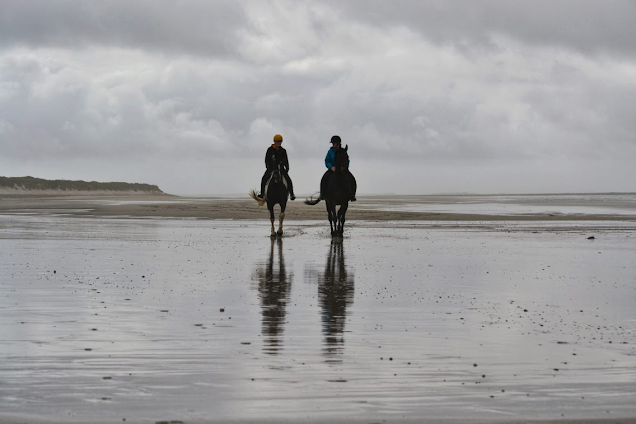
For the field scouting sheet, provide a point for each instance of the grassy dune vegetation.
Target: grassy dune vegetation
(31, 183)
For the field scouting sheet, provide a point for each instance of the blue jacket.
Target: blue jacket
(330, 159)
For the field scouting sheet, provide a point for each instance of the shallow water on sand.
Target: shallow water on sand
(623, 204)
(150, 320)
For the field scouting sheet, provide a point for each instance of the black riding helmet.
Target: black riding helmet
(335, 139)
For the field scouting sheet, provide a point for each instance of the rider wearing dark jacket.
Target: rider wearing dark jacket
(275, 155)
(330, 163)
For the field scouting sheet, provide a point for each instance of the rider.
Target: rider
(330, 163)
(275, 155)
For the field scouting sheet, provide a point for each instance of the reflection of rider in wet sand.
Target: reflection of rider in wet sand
(274, 288)
(335, 293)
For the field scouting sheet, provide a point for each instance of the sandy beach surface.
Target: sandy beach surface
(452, 309)
(571, 207)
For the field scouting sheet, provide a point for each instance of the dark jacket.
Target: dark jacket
(274, 156)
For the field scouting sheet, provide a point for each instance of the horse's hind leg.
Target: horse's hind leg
(281, 218)
(341, 218)
(333, 223)
(271, 218)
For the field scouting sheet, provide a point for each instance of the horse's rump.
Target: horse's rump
(338, 187)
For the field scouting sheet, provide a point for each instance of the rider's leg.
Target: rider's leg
(290, 186)
(263, 182)
(354, 187)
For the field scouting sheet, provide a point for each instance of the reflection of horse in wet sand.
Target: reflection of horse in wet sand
(335, 294)
(274, 286)
(276, 193)
(337, 192)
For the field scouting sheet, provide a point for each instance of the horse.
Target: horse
(276, 193)
(337, 192)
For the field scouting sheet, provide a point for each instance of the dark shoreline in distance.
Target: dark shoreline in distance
(28, 185)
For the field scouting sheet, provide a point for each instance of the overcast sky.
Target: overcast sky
(492, 96)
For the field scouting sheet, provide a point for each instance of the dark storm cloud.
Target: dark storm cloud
(589, 26)
(210, 27)
(200, 28)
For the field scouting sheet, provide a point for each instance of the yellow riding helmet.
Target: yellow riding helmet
(278, 137)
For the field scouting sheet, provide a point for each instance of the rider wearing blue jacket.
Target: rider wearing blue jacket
(330, 159)
(330, 163)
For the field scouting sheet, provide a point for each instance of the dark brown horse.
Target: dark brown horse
(338, 192)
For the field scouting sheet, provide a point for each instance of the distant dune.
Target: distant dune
(28, 185)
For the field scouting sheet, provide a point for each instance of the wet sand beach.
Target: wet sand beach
(570, 207)
(430, 309)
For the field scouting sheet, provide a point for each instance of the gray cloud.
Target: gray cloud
(588, 26)
(430, 96)
(177, 27)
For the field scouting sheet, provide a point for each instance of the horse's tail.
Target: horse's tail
(311, 201)
(254, 196)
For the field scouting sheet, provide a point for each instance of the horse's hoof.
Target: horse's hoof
(273, 235)
(279, 233)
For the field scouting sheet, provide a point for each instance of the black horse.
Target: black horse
(276, 193)
(337, 192)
